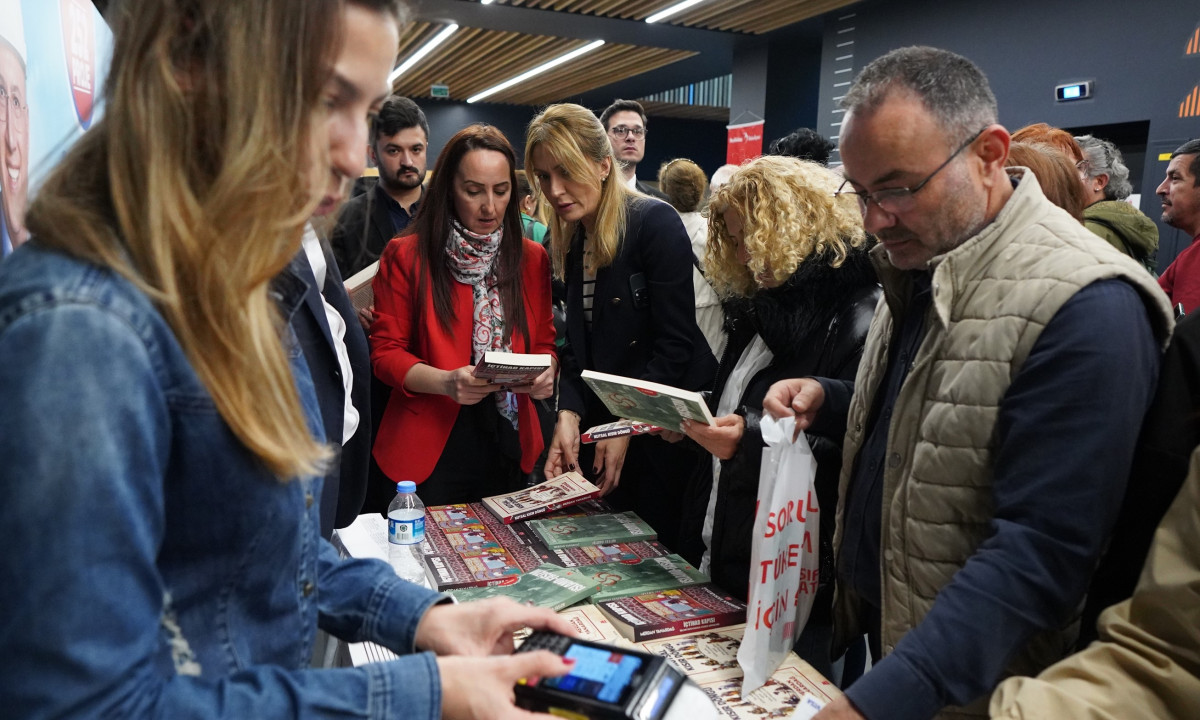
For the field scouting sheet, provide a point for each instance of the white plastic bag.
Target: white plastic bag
(785, 560)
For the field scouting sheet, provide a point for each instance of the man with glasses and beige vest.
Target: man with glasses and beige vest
(990, 430)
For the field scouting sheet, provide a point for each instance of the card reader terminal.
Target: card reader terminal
(605, 683)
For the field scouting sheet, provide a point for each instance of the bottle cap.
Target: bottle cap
(406, 486)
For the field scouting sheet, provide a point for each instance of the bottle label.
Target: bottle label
(406, 532)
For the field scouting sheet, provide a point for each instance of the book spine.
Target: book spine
(473, 583)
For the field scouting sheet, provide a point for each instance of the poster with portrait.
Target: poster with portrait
(54, 56)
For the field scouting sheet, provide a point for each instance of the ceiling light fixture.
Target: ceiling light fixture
(676, 8)
(486, 2)
(537, 70)
(425, 50)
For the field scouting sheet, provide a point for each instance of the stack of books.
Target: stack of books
(795, 691)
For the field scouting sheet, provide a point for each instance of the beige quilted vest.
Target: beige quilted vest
(992, 296)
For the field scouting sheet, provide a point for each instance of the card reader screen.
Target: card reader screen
(600, 674)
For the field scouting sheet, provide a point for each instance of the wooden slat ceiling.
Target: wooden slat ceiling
(743, 16)
(689, 112)
(474, 59)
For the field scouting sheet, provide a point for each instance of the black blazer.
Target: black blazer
(346, 483)
(653, 337)
(363, 230)
(644, 188)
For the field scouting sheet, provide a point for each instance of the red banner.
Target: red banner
(79, 43)
(745, 142)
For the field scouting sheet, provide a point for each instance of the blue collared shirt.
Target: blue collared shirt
(400, 215)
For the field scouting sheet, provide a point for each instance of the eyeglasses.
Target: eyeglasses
(899, 200)
(623, 130)
(12, 103)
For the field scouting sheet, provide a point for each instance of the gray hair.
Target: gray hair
(1103, 158)
(951, 88)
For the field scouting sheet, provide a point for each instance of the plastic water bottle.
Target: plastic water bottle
(406, 530)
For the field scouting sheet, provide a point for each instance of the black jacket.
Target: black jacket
(652, 192)
(653, 336)
(363, 230)
(346, 482)
(814, 324)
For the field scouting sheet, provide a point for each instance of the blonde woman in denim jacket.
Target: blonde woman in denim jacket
(162, 447)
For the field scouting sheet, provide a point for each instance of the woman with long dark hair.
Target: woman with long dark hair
(464, 283)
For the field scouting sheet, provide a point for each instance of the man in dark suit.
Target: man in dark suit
(339, 362)
(398, 140)
(625, 123)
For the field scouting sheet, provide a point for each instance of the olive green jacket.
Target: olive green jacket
(1124, 227)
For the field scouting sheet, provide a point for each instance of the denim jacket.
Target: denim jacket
(152, 567)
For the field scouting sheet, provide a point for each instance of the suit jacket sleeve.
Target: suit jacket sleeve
(541, 320)
(395, 287)
(347, 237)
(666, 254)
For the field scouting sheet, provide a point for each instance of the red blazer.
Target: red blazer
(407, 331)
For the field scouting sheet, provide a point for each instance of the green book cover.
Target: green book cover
(603, 529)
(660, 573)
(648, 402)
(547, 586)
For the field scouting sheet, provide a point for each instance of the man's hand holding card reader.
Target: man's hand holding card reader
(606, 682)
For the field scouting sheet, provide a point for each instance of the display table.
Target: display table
(709, 657)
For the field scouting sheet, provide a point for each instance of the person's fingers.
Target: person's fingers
(778, 400)
(539, 663)
(570, 455)
(552, 621)
(616, 477)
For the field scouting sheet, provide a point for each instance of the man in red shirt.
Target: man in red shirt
(1180, 195)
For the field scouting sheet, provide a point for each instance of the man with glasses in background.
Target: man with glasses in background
(625, 123)
(14, 130)
(991, 428)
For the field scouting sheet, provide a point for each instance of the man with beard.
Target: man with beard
(625, 123)
(991, 427)
(1180, 196)
(398, 141)
(14, 132)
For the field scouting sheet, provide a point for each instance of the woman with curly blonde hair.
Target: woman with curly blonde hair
(790, 260)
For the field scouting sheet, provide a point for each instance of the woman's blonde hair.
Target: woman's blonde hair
(789, 214)
(576, 140)
(196, 186)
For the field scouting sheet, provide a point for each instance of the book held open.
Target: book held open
(648, 402)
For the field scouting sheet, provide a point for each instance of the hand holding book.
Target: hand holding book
(540, 387)
(464, 388)
(721, 438)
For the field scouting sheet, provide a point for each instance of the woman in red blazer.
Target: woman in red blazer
(464, 283)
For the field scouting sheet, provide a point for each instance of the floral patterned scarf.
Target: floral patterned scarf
(472, 260)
